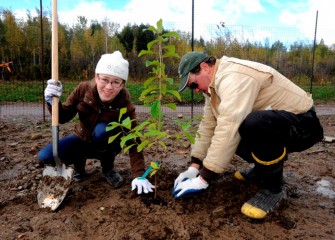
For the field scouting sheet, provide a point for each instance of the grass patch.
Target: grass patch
(325, 93)
(32, 91)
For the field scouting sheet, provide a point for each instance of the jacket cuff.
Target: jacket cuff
(137, 174)
(208, 175)
(137, 164)
(196, 161)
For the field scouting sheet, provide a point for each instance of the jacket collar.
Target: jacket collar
(212, 83)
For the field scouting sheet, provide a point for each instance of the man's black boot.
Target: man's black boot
(248, 175)
(272, 190)
(264, 202)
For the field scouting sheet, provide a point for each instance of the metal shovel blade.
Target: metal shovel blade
(54, 186)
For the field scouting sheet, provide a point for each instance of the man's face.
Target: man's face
(199, 82)
(108, 87)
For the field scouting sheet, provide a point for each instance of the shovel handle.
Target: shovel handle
(54, 60)
(54, 76)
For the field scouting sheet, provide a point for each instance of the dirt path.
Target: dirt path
(17, 110)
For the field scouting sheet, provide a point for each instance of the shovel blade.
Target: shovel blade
(54, 186)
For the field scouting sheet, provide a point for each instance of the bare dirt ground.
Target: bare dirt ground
(93, 210)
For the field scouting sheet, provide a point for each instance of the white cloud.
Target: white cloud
(251, 6)
(91, 11)
(299, 13)
(305, 20)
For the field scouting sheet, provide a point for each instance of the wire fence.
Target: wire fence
(233, 41)
(18, 111)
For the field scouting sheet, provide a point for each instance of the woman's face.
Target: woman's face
(108, 87)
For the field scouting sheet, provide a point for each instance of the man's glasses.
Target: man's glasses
(194, 84)
(113, 83)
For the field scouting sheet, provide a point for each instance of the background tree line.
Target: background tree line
(81, 45)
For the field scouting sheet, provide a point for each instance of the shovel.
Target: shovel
(56, 180)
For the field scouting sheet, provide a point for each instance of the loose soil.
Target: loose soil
(92, 209)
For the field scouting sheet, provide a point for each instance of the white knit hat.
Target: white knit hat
(113, 64)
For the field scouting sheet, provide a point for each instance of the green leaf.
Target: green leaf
(161, 135)
(147, 100)
(154, 168)
(169, 80)
(143, 144)
(156, 109)
(151, 144)
(170, 51)
(142, 125)
(175, 93)
(152, 133)
(148, 82)
(149, 90)
(148, 63)
(179, 135)
(122, 111)
(152, 126)
(126, 138)
(127, 123)
(170, 54)
(112, 138)
(190, 137)
(155, 133)
(153, 172)
(126, 149)
(150, 44)
(162, 144)
(112, 125)
(171, 34)
(145, 52)
(153, 29)
(163, 89)
(184, 126)
(172, 106)
(160, 25)
(156, 62)
(154, 165)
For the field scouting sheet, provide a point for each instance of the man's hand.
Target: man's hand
(142, 184)
(190, 173)
(190, 186)
(53, 89)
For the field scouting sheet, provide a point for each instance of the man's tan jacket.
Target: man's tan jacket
(237, 88)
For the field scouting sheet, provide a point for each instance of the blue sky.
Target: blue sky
(298, 15)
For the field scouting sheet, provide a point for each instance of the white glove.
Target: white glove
(190, 173)
(190, 187)
(54, 89)
(141, 184)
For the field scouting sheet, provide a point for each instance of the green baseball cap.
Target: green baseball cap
(188, 62)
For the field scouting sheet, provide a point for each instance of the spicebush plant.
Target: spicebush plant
(156, 88)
